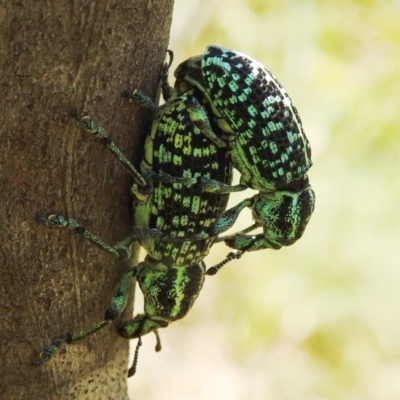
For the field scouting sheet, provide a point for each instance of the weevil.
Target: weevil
(168, 200)
(261, 127)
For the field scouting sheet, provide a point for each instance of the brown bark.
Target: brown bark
(55, 57)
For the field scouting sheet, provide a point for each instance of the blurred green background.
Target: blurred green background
(320, 319)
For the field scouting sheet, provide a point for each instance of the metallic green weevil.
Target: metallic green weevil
(169, 201)
(266, 143)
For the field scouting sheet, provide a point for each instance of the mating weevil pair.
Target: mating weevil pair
(225, 110)
(266, 144)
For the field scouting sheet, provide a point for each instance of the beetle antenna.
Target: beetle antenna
(132, 369)
(233, 255)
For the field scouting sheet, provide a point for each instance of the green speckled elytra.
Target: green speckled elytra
(267, 145)
(169, 197)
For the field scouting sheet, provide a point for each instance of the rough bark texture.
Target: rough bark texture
(57, 56)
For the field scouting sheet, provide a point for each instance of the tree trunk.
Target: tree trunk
(56, 57)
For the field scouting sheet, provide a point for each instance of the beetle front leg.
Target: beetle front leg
(225, 221)
(250, 242)
(118, 303)
(242, 232)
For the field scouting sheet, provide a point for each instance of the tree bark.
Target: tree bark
(56, 57)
